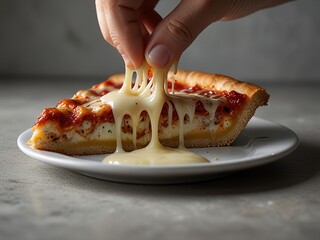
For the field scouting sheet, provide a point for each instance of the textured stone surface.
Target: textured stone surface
(280, 200)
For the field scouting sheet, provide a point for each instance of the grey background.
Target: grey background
(62, 38)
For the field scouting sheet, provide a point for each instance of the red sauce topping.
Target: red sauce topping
(234, 102)
(107, 83)
(70, 112)
(68, 104)
(177, 86)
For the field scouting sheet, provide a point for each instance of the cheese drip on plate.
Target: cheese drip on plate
(150, 95)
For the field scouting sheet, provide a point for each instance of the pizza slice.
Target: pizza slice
(200, 110)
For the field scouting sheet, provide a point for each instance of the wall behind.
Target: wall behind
(62, 38)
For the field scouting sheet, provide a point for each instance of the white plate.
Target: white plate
(261, 142)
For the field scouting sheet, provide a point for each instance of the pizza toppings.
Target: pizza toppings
(70, 113)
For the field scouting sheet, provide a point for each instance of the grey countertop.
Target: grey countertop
(279, 200)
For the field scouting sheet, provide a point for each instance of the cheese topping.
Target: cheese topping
(143, 95)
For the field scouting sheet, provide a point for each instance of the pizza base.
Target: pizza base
(103, 138)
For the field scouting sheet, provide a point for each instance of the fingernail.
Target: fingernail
(159, 56)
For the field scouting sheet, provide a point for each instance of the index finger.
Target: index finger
(124, 29)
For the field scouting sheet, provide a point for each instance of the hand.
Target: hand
(139, 32)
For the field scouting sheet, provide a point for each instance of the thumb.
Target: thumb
(180, 28)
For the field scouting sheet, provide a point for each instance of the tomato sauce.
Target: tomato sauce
(70, 113)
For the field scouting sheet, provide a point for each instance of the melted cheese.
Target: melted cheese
(150, 96)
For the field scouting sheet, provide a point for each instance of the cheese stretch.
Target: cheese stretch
(150, 95)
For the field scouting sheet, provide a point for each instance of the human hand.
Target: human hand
(139, 32)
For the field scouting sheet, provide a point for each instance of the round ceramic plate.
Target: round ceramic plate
(260, 142)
